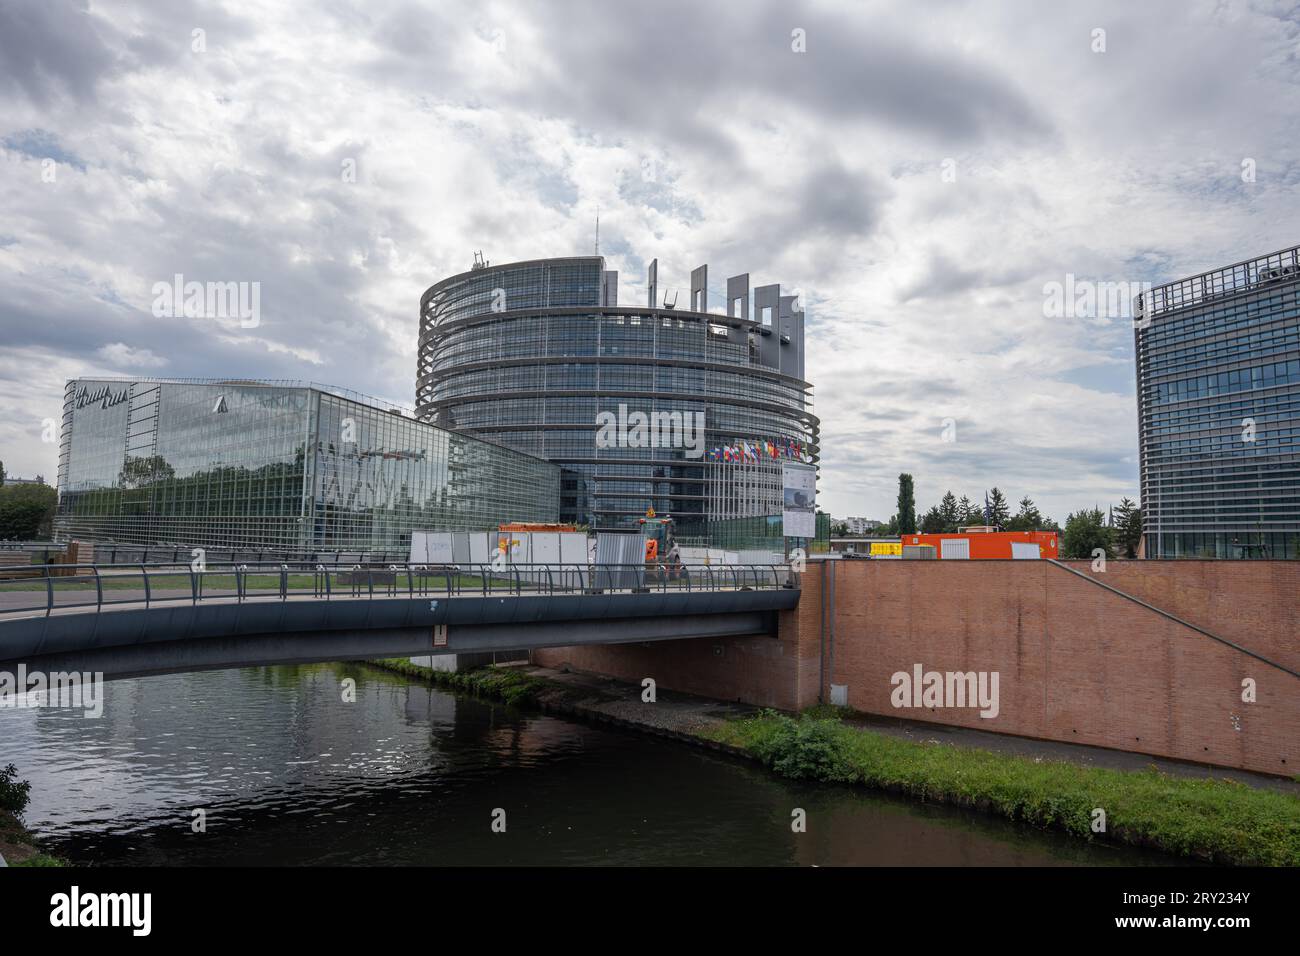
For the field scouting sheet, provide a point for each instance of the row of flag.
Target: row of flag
(743, 451)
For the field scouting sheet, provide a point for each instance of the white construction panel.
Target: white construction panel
(958, 548)
(438, 549)
(694, 557)
(546, 548)
(481, 545)
(518, 546)
(573, 548)
(419, 548)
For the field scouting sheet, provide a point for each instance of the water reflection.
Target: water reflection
(290, 773)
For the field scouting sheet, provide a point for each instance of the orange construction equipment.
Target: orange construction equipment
(984, 544)
(534, 526)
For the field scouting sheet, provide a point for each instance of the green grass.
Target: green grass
(1217, 820)
(500, 683)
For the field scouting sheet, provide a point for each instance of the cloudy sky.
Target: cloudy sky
(920, 172)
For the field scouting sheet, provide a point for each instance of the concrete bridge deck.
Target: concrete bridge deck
(95, 622)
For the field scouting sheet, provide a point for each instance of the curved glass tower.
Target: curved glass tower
(540, 356)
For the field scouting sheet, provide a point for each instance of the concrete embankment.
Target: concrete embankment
(599, 700)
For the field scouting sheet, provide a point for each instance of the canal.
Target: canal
(286, 772)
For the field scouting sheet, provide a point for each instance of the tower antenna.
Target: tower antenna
(597, 230)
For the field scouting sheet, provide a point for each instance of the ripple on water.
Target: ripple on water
(287, 773)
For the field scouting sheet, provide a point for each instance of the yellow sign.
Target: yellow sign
(885, 548)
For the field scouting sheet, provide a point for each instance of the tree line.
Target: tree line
(26, 510)
(1117, 534)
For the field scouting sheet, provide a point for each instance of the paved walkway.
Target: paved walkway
(686, 713)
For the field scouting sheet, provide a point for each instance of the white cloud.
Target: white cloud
(502, 127)
(120, 355)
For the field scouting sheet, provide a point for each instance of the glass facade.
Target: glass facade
(528, 354)
(1218, 368)
(272, 467)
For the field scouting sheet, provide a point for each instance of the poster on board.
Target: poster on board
(799, 513)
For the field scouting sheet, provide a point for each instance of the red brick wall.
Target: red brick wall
(1253, 603)
(781, 672)
(1076, 663)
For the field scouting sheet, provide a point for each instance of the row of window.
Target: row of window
(1270, 375)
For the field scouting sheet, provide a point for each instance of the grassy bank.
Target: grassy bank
(1215, 820)
(499, 683)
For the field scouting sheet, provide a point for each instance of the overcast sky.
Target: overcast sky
(919, 172)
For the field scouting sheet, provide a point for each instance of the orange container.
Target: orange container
(988, 545)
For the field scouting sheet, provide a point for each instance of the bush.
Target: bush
(808, 749)
(14, 793)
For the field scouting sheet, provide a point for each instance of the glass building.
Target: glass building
(267, 466)
(1218, 384)
(533, 354)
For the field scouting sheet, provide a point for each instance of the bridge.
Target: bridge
(141, 620)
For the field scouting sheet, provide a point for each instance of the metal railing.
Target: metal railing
(136, 554)
(56, 587)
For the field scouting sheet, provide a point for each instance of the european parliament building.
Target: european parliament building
(1218, 383)
(533, 354)
(271, 466)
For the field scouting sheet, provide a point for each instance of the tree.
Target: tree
(932, 523)
(26, 511)
(839, 529)
(999, 510)
(1028, 518)
(2, 474)
(906, 505)
(949, 513)
(1085, 532)
(1128, 527)
(970, 512)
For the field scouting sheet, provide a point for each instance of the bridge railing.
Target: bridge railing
(57, 587)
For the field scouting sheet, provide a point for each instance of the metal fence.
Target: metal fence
(43, 552)
(50, 588)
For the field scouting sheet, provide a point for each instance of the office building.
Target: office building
(538, 354)
(277, 466)
(1218, 386)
